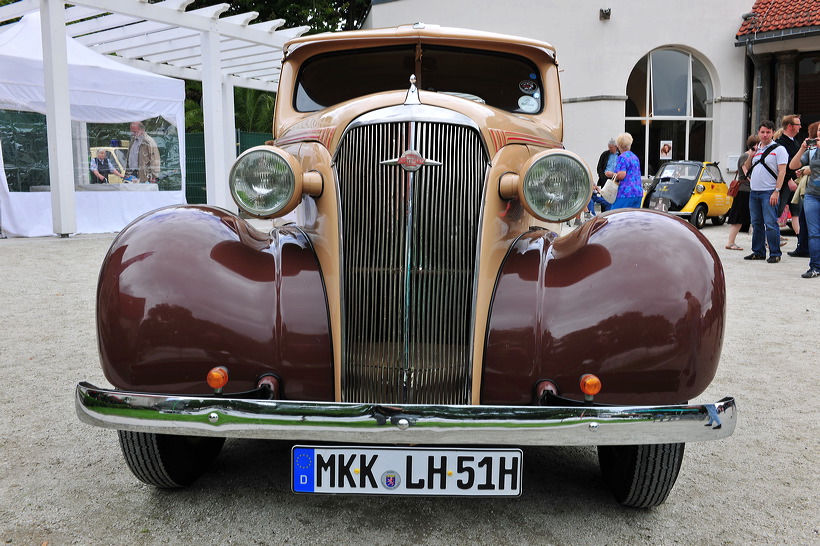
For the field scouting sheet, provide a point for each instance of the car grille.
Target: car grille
(408, 255)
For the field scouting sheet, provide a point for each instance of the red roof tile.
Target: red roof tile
(775, 15)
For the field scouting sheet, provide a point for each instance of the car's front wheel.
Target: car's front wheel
(168, 461)
(698, 218)
(641, 476)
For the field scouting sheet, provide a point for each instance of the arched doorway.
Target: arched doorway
(669, 108)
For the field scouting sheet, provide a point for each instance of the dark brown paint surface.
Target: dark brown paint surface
(187, 288)
(636, 297)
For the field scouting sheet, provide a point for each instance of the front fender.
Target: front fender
(187, 288)
(635, 297)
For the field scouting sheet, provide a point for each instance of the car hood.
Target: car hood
(678, 191)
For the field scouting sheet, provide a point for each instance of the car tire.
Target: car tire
(167, 461)
(719, 220)
(641, 476)
(698, 218)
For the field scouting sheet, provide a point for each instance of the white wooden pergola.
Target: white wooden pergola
(164, 38)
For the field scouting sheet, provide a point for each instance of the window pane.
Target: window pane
(670, 79)
(637, 129)
(636, 90)
(665, 131)
(701, 91)
(700, 140)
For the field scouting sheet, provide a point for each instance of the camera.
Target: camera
(811, 142)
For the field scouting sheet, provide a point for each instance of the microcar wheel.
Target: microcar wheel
(698, 218)
(168, 461)
(719, 220)
(641, 476)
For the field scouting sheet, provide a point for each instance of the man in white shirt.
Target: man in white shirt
(767, 167)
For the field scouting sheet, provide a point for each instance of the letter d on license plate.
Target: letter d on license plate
(407, 471)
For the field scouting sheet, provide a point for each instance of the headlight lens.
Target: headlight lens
(557, 186)
(262, 182)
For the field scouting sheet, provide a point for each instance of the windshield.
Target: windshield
(679, 171)
(505, 81)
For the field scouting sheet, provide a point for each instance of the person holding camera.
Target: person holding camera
(811, 200)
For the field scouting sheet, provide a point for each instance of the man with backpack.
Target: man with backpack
(767, 172)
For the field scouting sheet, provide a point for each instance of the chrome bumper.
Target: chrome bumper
(404, 424)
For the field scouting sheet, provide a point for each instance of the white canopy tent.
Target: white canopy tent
(163, 38)
(100, 90)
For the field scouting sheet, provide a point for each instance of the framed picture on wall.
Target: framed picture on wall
(666, 149)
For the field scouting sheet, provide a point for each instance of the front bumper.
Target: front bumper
(404, 424)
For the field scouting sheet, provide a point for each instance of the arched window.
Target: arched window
(669, 109)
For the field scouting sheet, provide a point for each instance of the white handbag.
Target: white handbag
(610, 191)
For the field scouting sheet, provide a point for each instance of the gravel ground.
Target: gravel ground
(64, 482)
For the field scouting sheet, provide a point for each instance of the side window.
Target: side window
(714, 174)
(707, 175)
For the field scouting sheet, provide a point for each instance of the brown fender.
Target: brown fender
(187, 288)
(635, 297)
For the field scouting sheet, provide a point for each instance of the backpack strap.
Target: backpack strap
(766, 152)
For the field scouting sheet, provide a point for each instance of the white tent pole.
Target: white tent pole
(58, 117)
(216, 135)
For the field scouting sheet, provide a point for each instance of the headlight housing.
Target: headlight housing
(556, 185)
(266, 182)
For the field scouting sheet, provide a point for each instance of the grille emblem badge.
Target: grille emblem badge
(410, 161)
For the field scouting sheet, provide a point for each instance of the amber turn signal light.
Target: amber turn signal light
(217, 377)
(590, 384)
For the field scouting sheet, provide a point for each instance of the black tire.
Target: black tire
(719, 220)
(641, 476)
(698, 218)
(167, 461)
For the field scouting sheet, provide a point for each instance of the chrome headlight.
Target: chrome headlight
(700, 188)
(266, 181)
(556, 185)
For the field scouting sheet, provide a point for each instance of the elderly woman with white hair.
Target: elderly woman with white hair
(628, 175)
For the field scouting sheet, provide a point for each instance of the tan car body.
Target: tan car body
(511, 139)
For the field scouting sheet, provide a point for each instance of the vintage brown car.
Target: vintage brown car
(424, 319)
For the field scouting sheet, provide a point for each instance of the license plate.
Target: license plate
(406, 471)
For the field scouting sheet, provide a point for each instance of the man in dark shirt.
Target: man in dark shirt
(791, 126)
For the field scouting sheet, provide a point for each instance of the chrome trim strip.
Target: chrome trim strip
(403, 424)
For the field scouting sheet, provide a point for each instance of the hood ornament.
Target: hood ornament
(410, 161)
(412, 93)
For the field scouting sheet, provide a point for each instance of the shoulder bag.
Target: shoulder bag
(734, 187)
(610, 191)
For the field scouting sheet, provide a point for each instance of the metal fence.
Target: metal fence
(195, 160)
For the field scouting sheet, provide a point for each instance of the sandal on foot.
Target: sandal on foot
(733, 247)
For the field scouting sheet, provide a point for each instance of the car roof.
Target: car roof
(420, 32)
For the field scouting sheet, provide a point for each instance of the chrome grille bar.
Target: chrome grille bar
(409, 252)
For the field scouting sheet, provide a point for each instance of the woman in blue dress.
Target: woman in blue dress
(628, 175)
